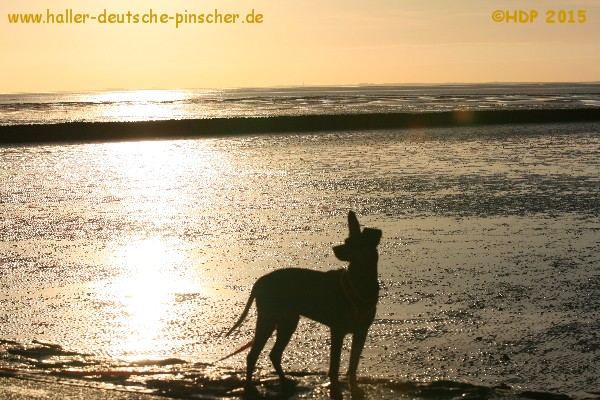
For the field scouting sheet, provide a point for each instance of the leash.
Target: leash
(244, 347)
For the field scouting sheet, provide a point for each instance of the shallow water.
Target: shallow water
(147, 105)
(121, 252)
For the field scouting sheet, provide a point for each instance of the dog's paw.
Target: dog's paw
(287, 382)
(335, 390)
(357, 393)
(251, 392)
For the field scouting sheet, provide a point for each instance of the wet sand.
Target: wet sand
(308, 386)
(27, 389)
(488, 268)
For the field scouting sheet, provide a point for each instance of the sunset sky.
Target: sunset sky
(311, 42)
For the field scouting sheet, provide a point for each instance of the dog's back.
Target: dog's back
(296, 291)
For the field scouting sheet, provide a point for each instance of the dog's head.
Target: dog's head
(357, 240)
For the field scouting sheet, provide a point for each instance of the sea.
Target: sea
(124, 263)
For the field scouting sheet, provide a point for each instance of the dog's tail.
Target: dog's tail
(244, 313)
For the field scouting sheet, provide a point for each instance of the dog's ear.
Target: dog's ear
(353, 225)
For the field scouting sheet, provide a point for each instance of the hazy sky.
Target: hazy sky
(312, 42)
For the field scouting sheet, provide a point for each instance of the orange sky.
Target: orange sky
(312, 42)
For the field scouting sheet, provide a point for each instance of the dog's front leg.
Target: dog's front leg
(359, 338)
(337, 340)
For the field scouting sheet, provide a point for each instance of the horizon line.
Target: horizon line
(347, 85)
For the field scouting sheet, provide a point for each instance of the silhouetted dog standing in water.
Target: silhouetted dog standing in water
(345, 300)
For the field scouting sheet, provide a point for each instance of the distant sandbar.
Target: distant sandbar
(171, 129)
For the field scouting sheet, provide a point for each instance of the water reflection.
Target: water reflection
(141, 105)
(156, 255)
(144, 293)
(159, 181)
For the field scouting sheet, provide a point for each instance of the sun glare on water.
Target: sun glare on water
(151, 267)
(154, 177)
(144, 293)
(141, 105)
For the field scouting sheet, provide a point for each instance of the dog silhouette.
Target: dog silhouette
(345, 300)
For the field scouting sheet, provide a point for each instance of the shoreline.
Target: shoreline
(190, 128)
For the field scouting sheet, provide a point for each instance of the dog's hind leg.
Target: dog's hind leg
(264, 329)
(285, 329)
